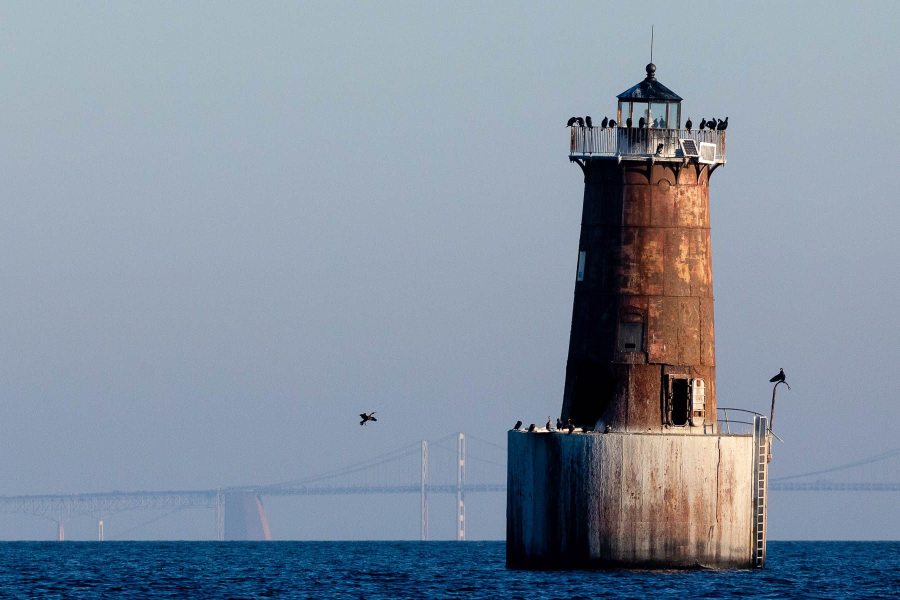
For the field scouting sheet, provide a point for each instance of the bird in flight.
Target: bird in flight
(518, 424)
(367, 417)
(778, 378)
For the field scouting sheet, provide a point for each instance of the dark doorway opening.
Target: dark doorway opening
(681, 402)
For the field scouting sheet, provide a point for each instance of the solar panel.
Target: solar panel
(689, 147)
(707, 153)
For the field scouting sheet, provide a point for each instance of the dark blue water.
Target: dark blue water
(416, 570)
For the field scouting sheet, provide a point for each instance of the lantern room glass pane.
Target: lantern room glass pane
(658, 115)
(641, 110)
(673, 121)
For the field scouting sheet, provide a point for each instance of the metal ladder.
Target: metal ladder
(760, 475)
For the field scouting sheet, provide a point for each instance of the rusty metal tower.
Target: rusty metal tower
(642, 345)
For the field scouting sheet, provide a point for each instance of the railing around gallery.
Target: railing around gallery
(595, 142)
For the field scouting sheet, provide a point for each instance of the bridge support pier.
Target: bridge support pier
(245, 517)
(61, 530)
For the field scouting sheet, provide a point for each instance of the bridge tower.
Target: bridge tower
(647, 480)
(460, 488)
(424, 491)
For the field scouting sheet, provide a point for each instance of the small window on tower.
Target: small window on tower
(631, 337)
(581, 256)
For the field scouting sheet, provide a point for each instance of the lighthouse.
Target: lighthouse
(648, 478)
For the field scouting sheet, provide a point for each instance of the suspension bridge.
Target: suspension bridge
(455, 465)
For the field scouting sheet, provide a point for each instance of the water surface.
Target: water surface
(392, 570)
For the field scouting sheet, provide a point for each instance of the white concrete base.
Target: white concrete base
(629, 500)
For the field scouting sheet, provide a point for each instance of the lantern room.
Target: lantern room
(659, 106)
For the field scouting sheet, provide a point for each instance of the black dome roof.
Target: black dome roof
(650, 90)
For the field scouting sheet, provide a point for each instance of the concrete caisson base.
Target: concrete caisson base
(629, 500)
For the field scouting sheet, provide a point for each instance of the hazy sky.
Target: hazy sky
(229, 228)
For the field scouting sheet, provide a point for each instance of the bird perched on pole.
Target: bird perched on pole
(689, 124)
(570, 426)
(702, 124)
(571, 121)
(367, 417)
(778, 378)
(604, 123)
(549, 423)
(588, 122)
(558, 424)
(518, 424)
(628, 122)
(580, 122)
(642, 122)
(531, 428)
(612, 124)
(723, 125)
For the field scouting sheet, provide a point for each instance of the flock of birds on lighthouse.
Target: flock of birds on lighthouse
(711, 124)
(571, 428)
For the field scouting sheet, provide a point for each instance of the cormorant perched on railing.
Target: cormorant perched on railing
(572, 121)
(612, 124)
(531, 428)
(628, 122)
(642, 122)
(518, 424)
(588, 122)
(558, 423)
(711, 124)
(659, 149)
(367, 417)
(689, 124)
(778, 378)
(549, 422)
(723, 125)
(604, 123)
(580, 122)
(570, 426)
(702, 124)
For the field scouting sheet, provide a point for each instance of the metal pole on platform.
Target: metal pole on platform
(424, 491)
(460, 488)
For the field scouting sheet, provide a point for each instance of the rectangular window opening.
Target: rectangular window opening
(681, 402)
(631, 337)
(581, 258)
